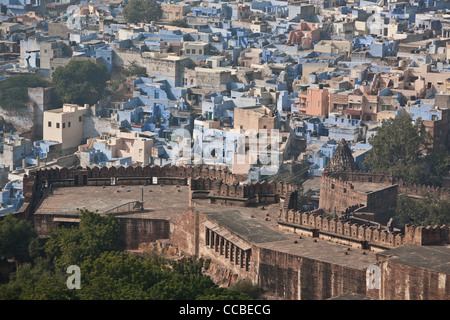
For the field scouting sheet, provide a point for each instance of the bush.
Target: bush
(14, 89)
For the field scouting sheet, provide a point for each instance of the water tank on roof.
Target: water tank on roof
(312, 78)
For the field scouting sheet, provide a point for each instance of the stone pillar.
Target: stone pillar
(212, 240)
(221, 245)
(247, 260)
(216, 242)
(227, 248)
(232, 252)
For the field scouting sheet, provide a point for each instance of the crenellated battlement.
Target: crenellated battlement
(219, 186)
(35, 184)
(245, 194)
(427, 235)
(383, 178)
(365, 235)
(419, 190)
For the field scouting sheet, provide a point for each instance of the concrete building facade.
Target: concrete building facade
(65, 125)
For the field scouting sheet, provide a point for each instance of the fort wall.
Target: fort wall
(196, 234)
(413, 190)
(295, 277)
(134, 231)
(240, 194)
(402, 281)
(356, 234)
(287, 275)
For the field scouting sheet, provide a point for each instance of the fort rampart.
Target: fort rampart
(357, 234)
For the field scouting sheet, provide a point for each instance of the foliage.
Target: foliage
(285, 176)
(119, 275)
(27, 277)
(52, 287)
(189, 265)
(134, 69)
(106, 273)
(402, 149)
(14, 89)
(71, 246)
(145, 11)
(222, 294)
(428, 210)
(18, 239)
(247, 287)
(80, 82)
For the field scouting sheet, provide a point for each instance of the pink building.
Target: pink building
(306, 34)
(314, 101)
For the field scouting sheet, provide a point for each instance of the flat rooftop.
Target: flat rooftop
(435, 258)
(160, 202)
(260, 227)
(322, 250)
(257, 225)
(245, 227)
(368, 187)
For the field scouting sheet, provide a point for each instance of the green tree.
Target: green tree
(52, 287)
(94, 235)
(80, 82)
(145, 11)
(24, 278)
(402, 149)
(106, 273)
(247, 288)
(181, 287)
(14, 89)
(17, 238)
(120, 275)
(428, 210)
(134, 69)
(216, 293)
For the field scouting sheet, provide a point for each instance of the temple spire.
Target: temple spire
(342, 159)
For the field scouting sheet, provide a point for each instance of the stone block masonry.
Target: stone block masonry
(288, 253)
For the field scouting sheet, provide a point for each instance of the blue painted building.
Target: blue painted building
(156, 107)
(427, 112)
(11, 197)
(106, 54)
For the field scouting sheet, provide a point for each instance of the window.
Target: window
(64, 125)
(188, 51)
(57, 125)
(200, 51)
(156, 95)
(79, 119)
(68, 124)
(49, 124)
(193, 51)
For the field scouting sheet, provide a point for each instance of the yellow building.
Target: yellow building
(447, 86)
(65, 125)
